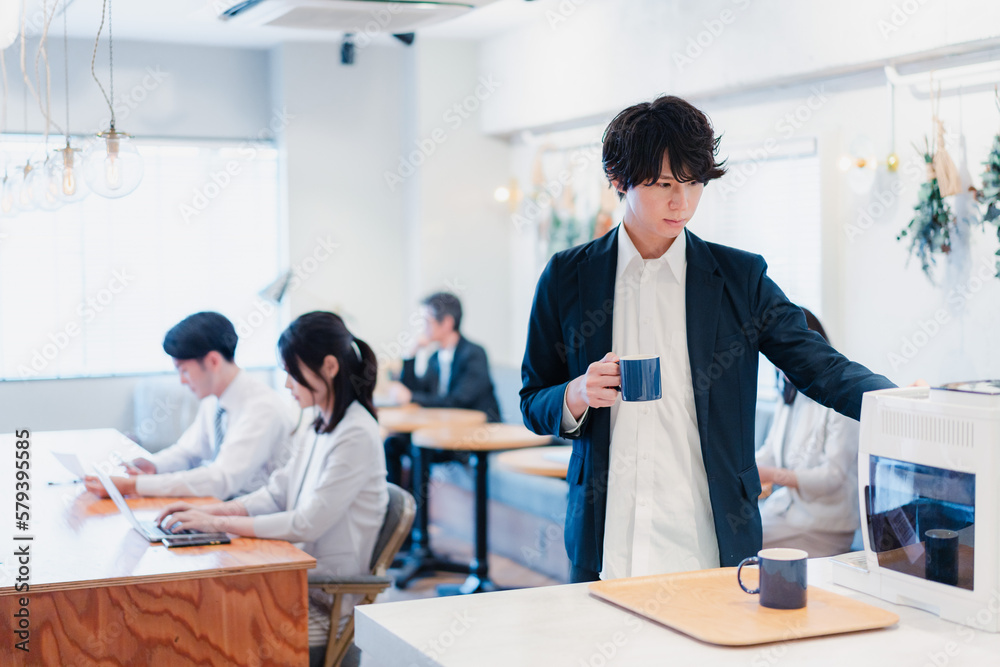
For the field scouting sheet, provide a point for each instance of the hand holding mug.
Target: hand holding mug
(597, 388)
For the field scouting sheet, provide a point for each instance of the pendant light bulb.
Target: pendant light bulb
(68, 173)
(112, 169)
(69, 182)
(67, 176)
(112, 166)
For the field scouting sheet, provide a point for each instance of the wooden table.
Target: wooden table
(551, 461)
(565, 625)
(478, 441)
(412, 417)
(99, 593)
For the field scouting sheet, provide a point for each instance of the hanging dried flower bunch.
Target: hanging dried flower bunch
(930, 230)
(990, 193)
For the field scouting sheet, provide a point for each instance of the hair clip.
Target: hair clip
(357, 350)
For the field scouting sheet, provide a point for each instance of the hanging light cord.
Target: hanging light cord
(66, 66)
(93, 59)
(24, 68)
(3, 110)
(43, 54)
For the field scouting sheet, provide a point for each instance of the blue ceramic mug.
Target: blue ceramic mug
(782, 577)
(640, 377)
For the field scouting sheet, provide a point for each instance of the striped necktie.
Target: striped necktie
(220, 431)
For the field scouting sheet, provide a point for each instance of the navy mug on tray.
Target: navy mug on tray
(782, 577)
(640, 377)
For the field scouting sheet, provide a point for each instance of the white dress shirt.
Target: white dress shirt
(659, 514)
(258, 425)
(445, 357)
(821, 446)
(330, 500)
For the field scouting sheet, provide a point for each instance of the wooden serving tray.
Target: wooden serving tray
(709, 605)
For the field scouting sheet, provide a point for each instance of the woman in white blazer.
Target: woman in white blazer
(811, 453)
(330, 498)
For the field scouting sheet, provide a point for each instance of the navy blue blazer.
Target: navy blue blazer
(469, 385)
(733, 312)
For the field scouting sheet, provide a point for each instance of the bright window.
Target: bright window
(90, 289)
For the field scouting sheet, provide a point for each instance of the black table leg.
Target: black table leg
(479, 577)
(421, 560)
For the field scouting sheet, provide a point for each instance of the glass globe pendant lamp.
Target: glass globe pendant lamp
(112, 165)
(46, 186)
(23, 187)
(67, 169)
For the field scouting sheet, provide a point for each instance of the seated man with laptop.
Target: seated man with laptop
(239, 435)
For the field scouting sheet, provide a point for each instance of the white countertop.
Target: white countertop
(563, 625)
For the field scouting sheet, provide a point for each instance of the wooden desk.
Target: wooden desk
(551, 461)
(565, 625)
(412, 417)
(478, 441)
(101, 594)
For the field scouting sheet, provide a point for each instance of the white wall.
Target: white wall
(463, 233)
(585, 60)
(605, 56)
(345, 129)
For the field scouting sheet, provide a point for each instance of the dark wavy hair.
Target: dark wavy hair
(308, 340)
(636, 140)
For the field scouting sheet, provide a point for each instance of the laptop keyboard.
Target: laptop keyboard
(155, 529)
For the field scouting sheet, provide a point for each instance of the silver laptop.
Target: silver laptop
(148, 529)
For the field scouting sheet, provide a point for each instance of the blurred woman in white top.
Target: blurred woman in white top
(331, 497)
(811, 453)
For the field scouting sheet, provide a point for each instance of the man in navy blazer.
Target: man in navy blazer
(659, 156)
(468, 383)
